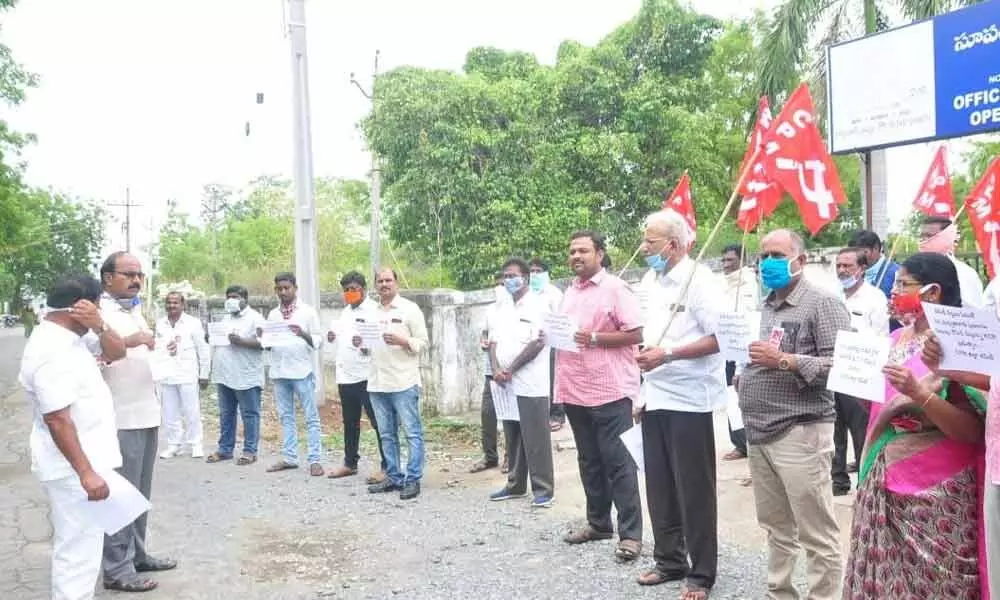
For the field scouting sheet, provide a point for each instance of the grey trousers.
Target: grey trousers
(530, 448)
(991, 514)
(128, 547)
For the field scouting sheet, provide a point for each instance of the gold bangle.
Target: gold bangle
(927, 400)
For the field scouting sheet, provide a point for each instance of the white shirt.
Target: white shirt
(236, 367)
(552, 296)
(58, 370)
(969, 283)
(869, 310)
(137, 405)
(513, 326)
(295, 361)
(193, 354)
(353, 365)
(694, 385)
(742, 283)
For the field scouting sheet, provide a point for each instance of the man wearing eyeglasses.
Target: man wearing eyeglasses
(137, 414)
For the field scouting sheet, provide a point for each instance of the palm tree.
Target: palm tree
(800, 30)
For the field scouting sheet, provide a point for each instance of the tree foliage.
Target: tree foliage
(510, 156)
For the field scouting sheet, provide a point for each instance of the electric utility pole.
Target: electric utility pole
(127, 226)
(375, 235)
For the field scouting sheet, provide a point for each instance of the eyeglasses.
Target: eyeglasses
(131, 274)
(900, 284)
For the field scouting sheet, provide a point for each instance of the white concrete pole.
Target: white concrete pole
(306, 257)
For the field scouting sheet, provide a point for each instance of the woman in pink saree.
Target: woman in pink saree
(917, 530)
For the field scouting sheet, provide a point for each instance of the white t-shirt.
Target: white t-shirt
(353, 365)
(59, 371)
(295, 361)
(236, 367)
(513, 326)
(869, 310)
(137, 406)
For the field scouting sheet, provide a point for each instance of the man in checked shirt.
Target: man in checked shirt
(788, 414)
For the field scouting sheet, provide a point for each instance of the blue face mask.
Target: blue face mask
(538, 281)
(513, 284)
(657, 263)
(775, 273)
(849, 282)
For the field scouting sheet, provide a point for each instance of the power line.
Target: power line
(127, 227)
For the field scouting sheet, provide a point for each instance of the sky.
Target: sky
(153, 96)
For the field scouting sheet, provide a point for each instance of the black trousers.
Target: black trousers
(353, 398)
(738, 437)
(851, 419)
(557, 412)
(679, 451)
(607, 470)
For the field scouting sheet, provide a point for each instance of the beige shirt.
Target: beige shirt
(396, 368)
(136, 404)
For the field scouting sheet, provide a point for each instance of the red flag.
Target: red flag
(680, 202)
(983, 206)
(796, 158)
(935, 197)
(760, 195)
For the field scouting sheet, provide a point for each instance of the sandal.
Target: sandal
(216, 457)
(481, 466)
(587, 534)
(375, 478)
(246, 459)
(339, 472)
(136, 584)
(151, 565)
(281, 465)
(655, 576)
(555, 426)
(734, 454)
(694, 592)
(316, 470)
(628, 550)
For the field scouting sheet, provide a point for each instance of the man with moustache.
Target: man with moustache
(597, 386)
(137, 413)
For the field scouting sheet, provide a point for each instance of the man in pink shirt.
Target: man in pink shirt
(597, 385)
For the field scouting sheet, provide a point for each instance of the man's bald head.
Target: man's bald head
(791, 243)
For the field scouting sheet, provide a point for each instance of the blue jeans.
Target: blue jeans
(391, 410)
(285, 391)
(248, 402)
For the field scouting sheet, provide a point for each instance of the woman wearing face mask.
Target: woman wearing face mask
(916, 517)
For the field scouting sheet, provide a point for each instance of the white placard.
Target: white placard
(371, 334)
(559, 331)
(276, 333)
(218, 333)
(882, 89)
(504, 402)
(123, 505)
(735, 333)
(161, 365)
(633, 443)
(970, 338)
(858, 359)
(733, 411)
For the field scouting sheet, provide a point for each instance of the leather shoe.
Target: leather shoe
(383, 487)
(410, 491)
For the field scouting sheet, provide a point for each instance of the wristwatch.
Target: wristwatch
(784, 363)
(593, 339)
(104, 328)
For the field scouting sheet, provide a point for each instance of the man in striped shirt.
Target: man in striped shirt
(597, 385)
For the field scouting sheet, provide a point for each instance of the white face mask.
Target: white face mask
(232, 306)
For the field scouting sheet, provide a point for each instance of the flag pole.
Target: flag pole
(708, 242)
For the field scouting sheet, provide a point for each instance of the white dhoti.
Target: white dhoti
(76, 542)
(182, 414)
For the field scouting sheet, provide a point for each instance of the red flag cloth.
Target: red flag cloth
(760, 195)
(680, 202)
(796, 158)
(983, 206)
(935, 197)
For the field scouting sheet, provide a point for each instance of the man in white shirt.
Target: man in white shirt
(353, 367)
(292, 374)
(183, 336)
(137, 413)
(394, 385)
(73, 435)
(742, 295)
(487, 412)
(238, 373)
(939, 235)
(552, 295)
(870, 315)
(519, 359)
(684, 383)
